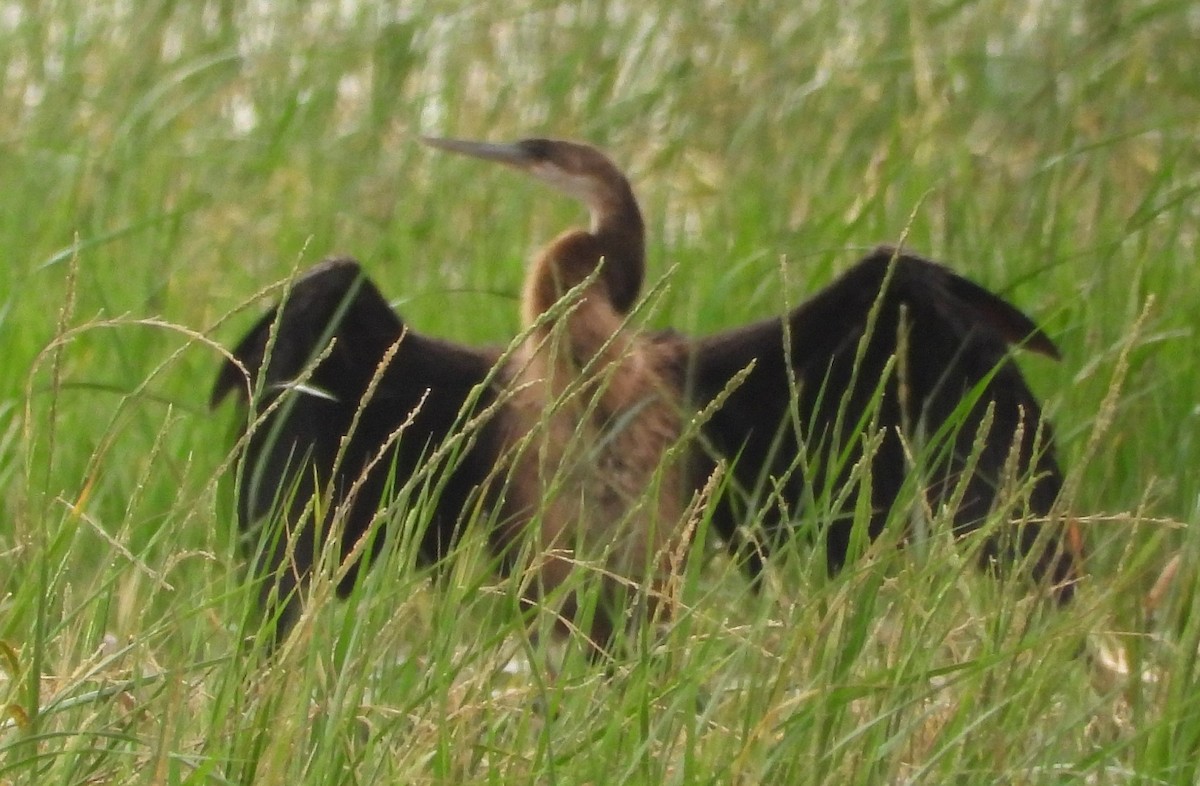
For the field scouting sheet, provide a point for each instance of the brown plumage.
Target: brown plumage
(595, 405)
(571, 453)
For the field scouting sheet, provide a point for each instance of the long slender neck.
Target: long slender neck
(615, 240)
(621, 236)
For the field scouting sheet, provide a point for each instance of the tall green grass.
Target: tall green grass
(161, 163)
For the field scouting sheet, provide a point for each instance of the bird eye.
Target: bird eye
(538, 149)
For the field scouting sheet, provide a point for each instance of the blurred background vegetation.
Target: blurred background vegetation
(163, 162)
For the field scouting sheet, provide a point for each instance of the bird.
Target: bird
(591, 440)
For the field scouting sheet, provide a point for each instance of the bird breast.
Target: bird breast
(588, 443)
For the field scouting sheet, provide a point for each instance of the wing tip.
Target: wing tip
(226, 382)
(1042, 344)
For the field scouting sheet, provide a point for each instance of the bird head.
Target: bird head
(578, 170)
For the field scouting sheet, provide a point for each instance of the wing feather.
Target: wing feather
(899, 348)
(313, 360)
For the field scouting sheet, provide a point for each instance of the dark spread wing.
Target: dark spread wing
(854, 376)
(301, 448)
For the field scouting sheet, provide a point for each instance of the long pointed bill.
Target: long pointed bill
(512, 154)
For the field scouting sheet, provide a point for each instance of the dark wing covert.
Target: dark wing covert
(296, 452)
(936, 389)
